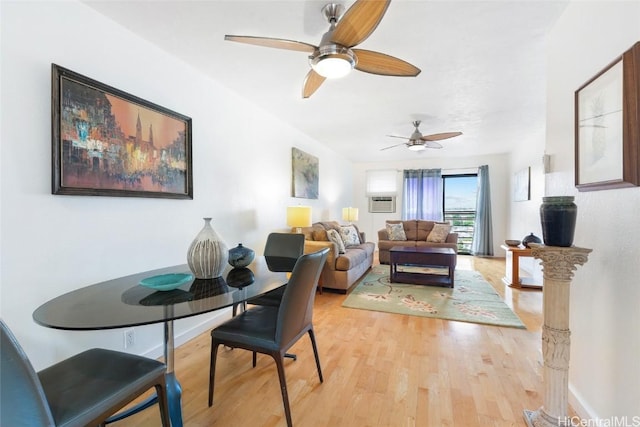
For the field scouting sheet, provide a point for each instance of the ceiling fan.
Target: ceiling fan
(334, 57)
(418, 142)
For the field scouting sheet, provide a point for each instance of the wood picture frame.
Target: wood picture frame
(607, 126)
(106, 142)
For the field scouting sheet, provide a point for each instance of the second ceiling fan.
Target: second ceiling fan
(334, 57)
(419, 142)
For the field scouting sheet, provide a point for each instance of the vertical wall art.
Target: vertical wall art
(106, 142)
(305, 174)
(607, 126)
(521, 185)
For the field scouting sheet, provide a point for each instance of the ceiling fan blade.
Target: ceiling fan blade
(275, 43)
(432, 144)
(359, 21)
(386, 65)
(392, 146)
(440, 136)
(394, 136)
(311, 83)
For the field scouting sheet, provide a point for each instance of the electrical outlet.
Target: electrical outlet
(129, 338)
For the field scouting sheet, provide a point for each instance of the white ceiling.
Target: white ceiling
(483, 68)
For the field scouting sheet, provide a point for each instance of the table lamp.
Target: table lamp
(350, 214)
(298, 217)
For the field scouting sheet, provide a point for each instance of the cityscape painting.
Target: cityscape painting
(109, 143)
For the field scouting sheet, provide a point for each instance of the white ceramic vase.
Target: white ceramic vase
(208, 254)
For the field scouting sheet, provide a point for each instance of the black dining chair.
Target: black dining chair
(281, 251)
(82, 390)
(272, 330)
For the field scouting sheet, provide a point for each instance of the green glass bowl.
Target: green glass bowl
(166, 282)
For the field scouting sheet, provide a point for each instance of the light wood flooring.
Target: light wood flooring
(379, 369)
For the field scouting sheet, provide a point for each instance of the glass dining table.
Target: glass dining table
(123, 302)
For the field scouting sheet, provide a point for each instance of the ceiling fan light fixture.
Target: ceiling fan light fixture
(416, 146)
(333, 61)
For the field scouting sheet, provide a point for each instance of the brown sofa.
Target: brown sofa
(416, 232)
(341, 271)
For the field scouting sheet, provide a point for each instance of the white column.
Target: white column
(558, 265)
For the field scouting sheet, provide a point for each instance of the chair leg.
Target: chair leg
(212, 369)
(163, 404)
(254, 359)
(279, 358)
(315, 353)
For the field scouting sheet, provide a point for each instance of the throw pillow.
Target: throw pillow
(396, 232)
(349, 235)
(439, 232)
(335, 238)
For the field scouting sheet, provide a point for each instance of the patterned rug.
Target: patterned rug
(471, 300)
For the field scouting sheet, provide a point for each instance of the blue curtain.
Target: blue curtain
(482, 244)
(422, 194)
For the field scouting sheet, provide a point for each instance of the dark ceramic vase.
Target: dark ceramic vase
(241, 256)
(531, 238)
(558, 217)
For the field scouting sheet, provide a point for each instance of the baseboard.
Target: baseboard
(207, 323)
(581, 408)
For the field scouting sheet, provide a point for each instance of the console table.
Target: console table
(512, 268)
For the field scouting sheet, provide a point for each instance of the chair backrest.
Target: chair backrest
(296, 308)
(282, 250)
(22, 399)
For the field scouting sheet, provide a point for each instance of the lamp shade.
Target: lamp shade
(299, 216)
(350, 214)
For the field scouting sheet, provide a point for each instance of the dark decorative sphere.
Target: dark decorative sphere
(531, 238)
(241, 256)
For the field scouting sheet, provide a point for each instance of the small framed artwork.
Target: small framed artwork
(106, 142)
(607, 126)
(305, 174)
(521, 186)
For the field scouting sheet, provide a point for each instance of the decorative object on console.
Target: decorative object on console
(298, 217)
(558, 217)
(607, 126)
(439, 232)
(531, 238)
(305, 174)
(512, 243)
(208, 254)
(350, 214)
(241, 256)
(396, 231)
(96, 127)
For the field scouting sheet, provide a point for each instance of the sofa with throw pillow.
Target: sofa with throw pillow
(414, 233)
(349, 258)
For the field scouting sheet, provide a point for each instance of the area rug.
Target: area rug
(471, 300)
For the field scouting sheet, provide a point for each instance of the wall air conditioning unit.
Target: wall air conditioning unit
(382, 204)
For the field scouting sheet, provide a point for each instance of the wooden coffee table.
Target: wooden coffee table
(422, 257)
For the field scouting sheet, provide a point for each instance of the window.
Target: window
(459, 205)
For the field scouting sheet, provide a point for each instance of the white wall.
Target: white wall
(499, 182)
(605, 321)
(54, 244)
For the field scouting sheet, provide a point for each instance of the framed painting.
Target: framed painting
(305, 174)
(607, 126)
(106, 142)
(521, 185)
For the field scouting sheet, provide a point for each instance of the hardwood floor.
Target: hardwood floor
(380, 369)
